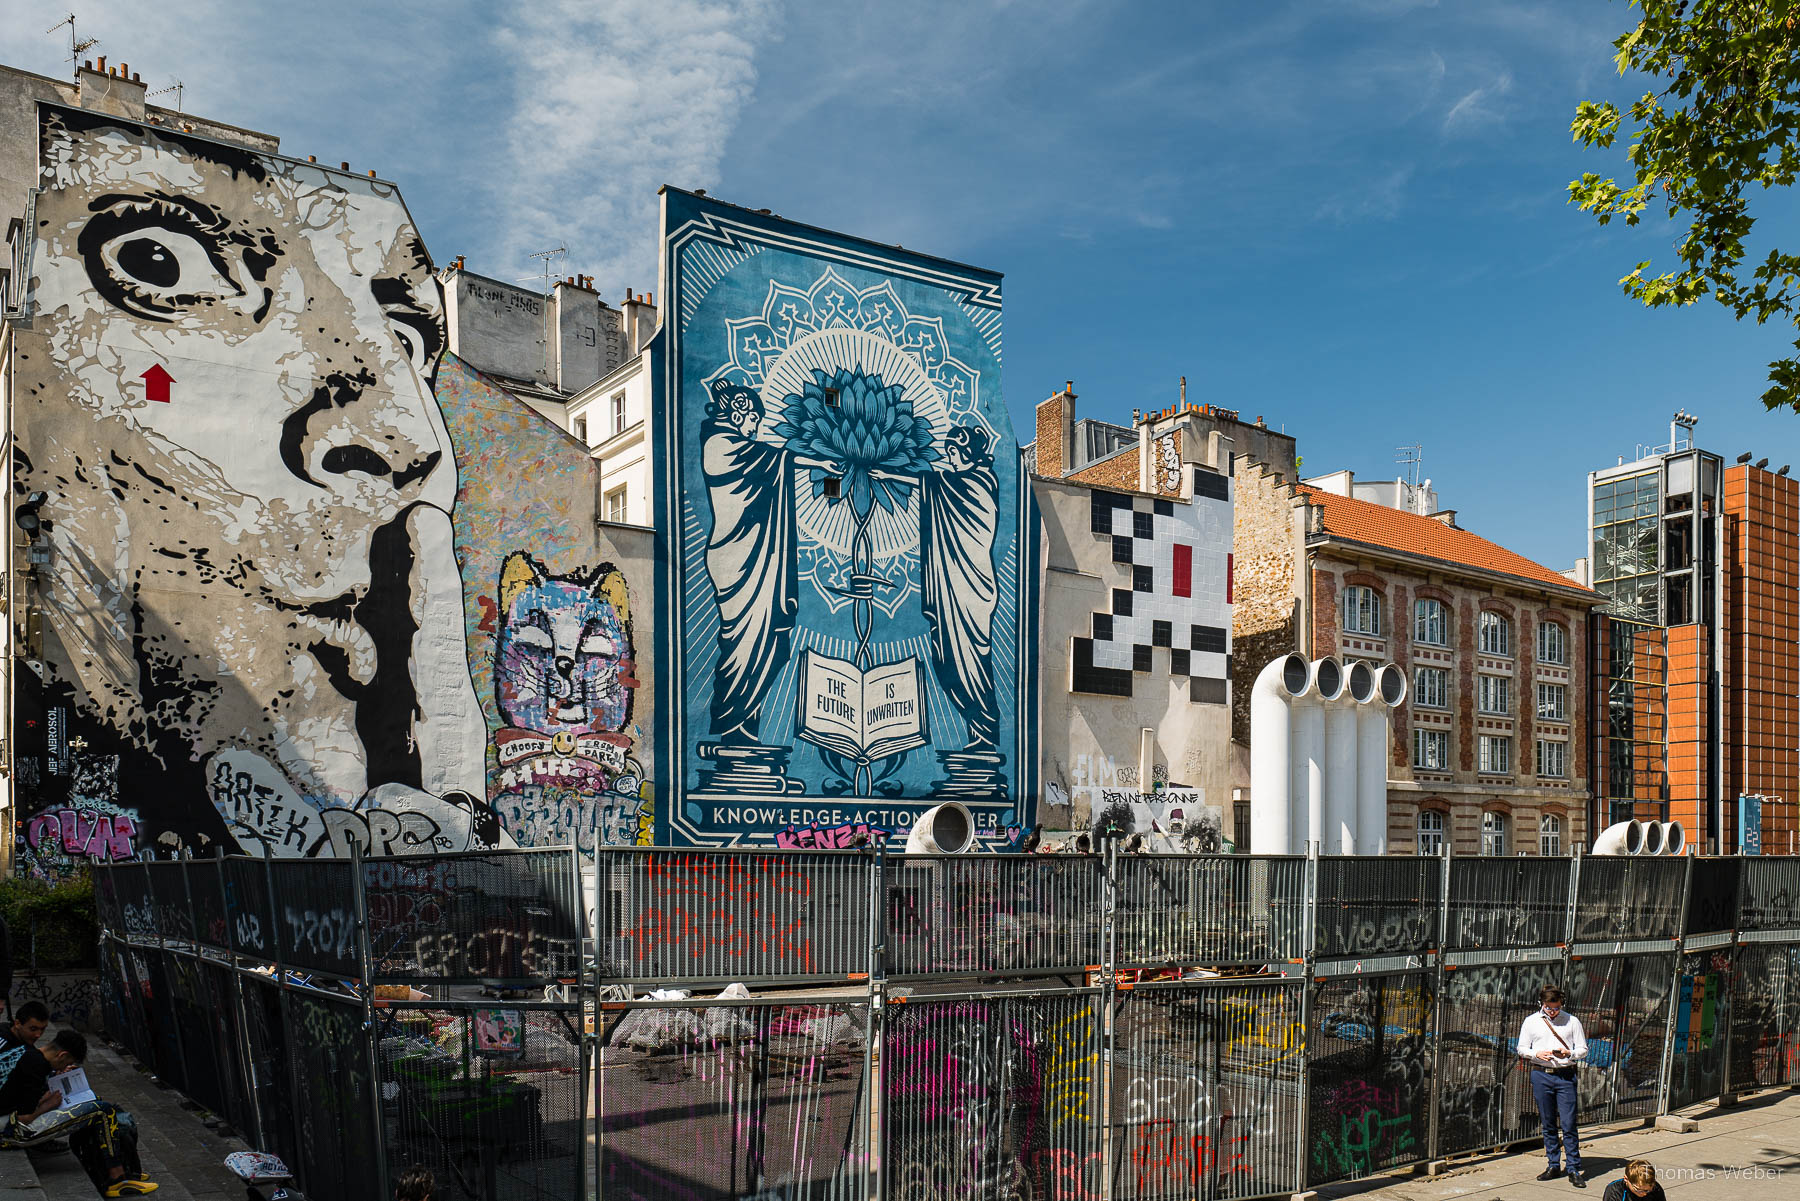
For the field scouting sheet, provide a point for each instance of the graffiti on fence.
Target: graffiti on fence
(813, 837)
(748, 909)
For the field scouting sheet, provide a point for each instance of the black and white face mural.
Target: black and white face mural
(251, 595)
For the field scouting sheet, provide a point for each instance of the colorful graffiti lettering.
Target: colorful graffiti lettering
(68, 836)
(816, 838)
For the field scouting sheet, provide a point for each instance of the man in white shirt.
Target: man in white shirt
(1551, 1043)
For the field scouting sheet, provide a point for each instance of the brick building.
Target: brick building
(1692, 555)
(1490, 747)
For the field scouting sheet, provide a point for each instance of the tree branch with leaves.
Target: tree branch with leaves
(1721, 125)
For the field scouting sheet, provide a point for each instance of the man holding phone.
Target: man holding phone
(1551, 1042)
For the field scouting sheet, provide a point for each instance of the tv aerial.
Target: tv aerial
(77, 45)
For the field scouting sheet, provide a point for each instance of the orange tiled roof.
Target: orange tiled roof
(1377, 525)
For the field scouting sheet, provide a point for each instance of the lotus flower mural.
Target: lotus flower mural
(871, 430)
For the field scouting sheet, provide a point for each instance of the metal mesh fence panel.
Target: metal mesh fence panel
(727, 1101)
(249, 917)
(1484, 1097)
(167, 882)
(1628, 897)
(224, 1029)
(336, 1116)
(106, 899)
(1517, 902)
(1623, 1004)
(991, 1097)
(273, 1070)
(164, 1039)
(206, 886)
(1771, 893)
(993, 914)
(190, 1003)
(133, 1001)
(509, 917)
(1206, 1091)
(1369, 1074)
(489, 1099)
(722, 916)
(1697, 1058)
(1208, 909)
(1387, 905)
(1713, 896)
(1765, 1016)
(315, 903)
(137, 912)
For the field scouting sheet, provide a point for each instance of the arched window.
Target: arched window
(1496, 633)
(1362, 610)
(1550, 834)
(1553, 643)
(1431, 832)
(1493, 833)
(1431, 622)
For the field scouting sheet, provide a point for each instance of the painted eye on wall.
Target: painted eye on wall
(154, 258)
(165, 263)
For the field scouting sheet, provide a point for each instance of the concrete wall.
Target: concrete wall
(1120, 656)
(305, 583)
(850, 570)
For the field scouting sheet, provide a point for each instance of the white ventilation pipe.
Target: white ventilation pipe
(946, 829)
(1271, 773)
(1674, 838)
(1620, 838)
(1374, 737)
(1326, 685)
(1653, 838)
(1341, 760)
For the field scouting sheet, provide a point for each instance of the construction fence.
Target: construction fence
(844, 1025)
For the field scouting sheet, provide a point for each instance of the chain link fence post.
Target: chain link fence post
(1434, 1138)
(1309, 956)
(874, 1022)
(1109, 984)
(1665, 1081)
(365, 960)
(258, 1124)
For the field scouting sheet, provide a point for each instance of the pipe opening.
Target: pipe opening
(1362, 681)
(1674, 838)
(1393, 685)
(1329, 675)
(1293, 675)
(1653, 838)
(1634, 838)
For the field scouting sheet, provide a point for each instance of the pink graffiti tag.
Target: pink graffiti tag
(104, 837)
(812, 838)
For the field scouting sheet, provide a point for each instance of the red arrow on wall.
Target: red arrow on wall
(156, 384)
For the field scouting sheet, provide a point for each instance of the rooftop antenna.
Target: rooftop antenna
(1411, 458)
(1682, 420)
(174, 87)
(77, 46)
(549, 257)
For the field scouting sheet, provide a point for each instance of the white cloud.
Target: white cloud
(1478, 106)
(609, 102)
(1381, 199)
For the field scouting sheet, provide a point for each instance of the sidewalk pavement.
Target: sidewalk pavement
(184, 1157)
(1751, 1149)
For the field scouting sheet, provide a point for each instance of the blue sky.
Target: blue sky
(1345, 215)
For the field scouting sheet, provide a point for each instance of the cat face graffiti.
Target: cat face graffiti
(272, 539)
(563, 660)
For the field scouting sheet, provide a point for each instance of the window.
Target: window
(1496, 754)
(1552, 759)
(618, 413)
(1362, 610)
(1431, 750)
(1553, 702)
(1431, 687)
(1493, 833)
(830, 487)
(1431, 832)
(581, 428)
(1553, 643)
(1550, 835)
(1496, 634)
(615, 504)
(1431, 623)
(832, 399)
(1495, 694)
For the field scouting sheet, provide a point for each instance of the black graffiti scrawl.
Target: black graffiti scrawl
(247, 611)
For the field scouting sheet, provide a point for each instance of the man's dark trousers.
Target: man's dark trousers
(1555, 1095)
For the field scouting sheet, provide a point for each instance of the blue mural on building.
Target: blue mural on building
(847, 537)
